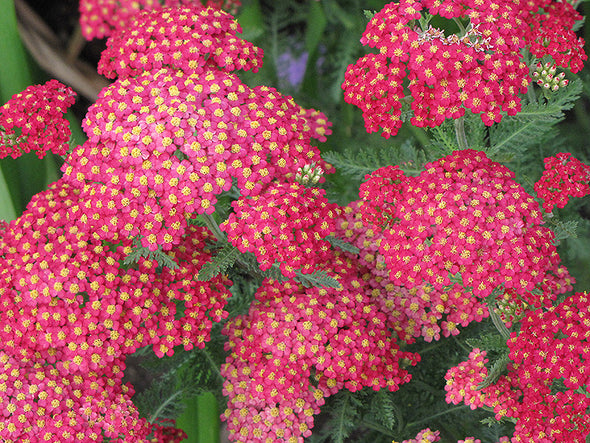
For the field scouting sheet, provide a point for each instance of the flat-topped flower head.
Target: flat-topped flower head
(420, 311)
(67, 297)
(480, 69)
(297, 346)
(165, 144)
(464, 215)
(33, 120)
(46, 402)
(178, 38)
(286, 224)
(544, 390)
(564, 176)
(99, 18)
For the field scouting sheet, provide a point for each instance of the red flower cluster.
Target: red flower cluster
(464, 214)
(169, 141)
(545, 388)
(33, 120)
(420, 311)
(71, 312)
(99, 18)
(481, 70)
(179, 38)
(297, 346)
(285, 224)
(551, 32)
(565, 176)
(463, 380)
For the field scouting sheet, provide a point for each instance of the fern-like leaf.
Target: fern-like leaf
(344, 245)
(317, 279)
(220, 263)
(497, 368)
(357, 164)
(345, 413)
(534, 123)
(158, 255)
(565, 229)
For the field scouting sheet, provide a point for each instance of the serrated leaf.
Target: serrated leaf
(534, 123)
(495, 371)
(342, 244)
(357, 164)
(317, 279)
(158, 255)
(220, 263)
(565, 229)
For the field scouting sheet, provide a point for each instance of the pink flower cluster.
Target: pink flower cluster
(297, 346)
(441, 76)
(420, 311)
(286, 224)
(99, 18)
(33, 120)
(545, 388)
(180, 38)
(551, 33)
(464, 214)
(462, 381)
(71, 312)
(564, 176)
(170, 141)
(424, 436)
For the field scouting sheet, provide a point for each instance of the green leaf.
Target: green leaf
(345, 413)
(317, 279)
(158, 255)
(358, 163)
(494, 373)
(534, 124)
(344, 245)
(220, 263)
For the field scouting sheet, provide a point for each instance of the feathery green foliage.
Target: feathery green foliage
(220, 263)
(341, 244)
(535, 123)
(356, 164)
(158, 255)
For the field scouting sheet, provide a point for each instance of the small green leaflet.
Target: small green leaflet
(158, 255)
(342, 244)
(224, 260)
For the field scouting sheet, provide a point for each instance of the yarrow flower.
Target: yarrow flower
(297, 346)
(33, 120)
(482, 69)
(99, 18)
(286, 224)
(464, 215)
(544, 390)
(69, 308)
(180, 38)
(170, 141)
(462, 381)
(420, 311)
(564, 176)
(424, 436)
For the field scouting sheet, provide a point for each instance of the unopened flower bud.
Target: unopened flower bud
(309, 174)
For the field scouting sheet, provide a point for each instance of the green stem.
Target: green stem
(462, 30)
(499, 324)
(460, 133)
(214, 227)
(427, 419)
(207, 419)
